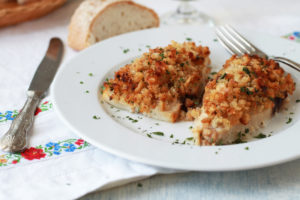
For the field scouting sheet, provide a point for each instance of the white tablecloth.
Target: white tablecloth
(59, 164)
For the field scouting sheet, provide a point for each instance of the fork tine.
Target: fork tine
(232, 48)
(240, 37)
(242, 46)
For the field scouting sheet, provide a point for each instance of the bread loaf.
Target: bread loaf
(96, 20)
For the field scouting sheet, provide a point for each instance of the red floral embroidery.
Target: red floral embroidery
(37, 111)
(79, 142)
(14, 161)
(33, 153)
(291, 37)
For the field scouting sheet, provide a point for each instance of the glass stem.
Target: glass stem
(185, 9)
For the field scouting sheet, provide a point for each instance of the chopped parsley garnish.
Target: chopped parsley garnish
(91, 74)
(140, 49)
(238, 141)
(148, 46)
(246, 70)
(183, 142)
(247, 130)
(96, 117)
(87, 91)
(213, 73)
(162, 55)
(167, 72)
(102, 88)
(216, 152)
(171, 136)
(106, 80)
(157, 124)
(81, 82)
(246, 148)
(188, 39)
(215, 40)
(291, 113)
(181, 64)
(132, 120)
(181, 79)
(298, 100)
(261, 135)
(126, 50)
(223, 76)
(246, 90)
(140, 185)
(149, 135)
(158, 133)
(190, 127)
(190, 138)
(289, 120)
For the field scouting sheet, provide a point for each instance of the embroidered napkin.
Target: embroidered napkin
(57, 164)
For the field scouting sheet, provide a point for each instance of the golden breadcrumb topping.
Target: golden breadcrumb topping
(162, 76)
(245, 85)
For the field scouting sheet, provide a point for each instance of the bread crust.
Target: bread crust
(80, 28)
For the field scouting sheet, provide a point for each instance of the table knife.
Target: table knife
(16, 139)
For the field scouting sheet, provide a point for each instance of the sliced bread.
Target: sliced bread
(96, 20)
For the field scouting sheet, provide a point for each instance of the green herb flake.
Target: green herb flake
(291, 113)
(190, 138)
(260, 136)
(247, 130)
(298, 100)
(223, 76)
(140, 185)
(188, 39)
(216, 152)
(215, 40)
(149, 135)
(181, 79)
(158, 133)
(96, 117)
(87, 91)
(181, 64)
(81, 82)
(91, 74)
(238, 141)
(190, 127)
(171, 136)
(246, 70)
(140, 49)
(289, 120)
(157, 124)
(247, 148)
(148, 46)
(213, 73)
(126, 50)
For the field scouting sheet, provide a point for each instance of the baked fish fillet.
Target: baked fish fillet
(163, 83)
(241, 98)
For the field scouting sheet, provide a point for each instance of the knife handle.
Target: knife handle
(288, 62)
(16, 139)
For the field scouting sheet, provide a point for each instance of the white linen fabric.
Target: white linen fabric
(69, 167)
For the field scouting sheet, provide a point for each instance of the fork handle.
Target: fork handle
(16, 139)
(288, 62)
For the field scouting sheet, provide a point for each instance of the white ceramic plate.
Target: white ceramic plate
(77, 84)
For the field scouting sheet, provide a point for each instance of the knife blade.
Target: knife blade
(16, 139)
(48, 67)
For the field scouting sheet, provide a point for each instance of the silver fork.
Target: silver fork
(235, 43)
